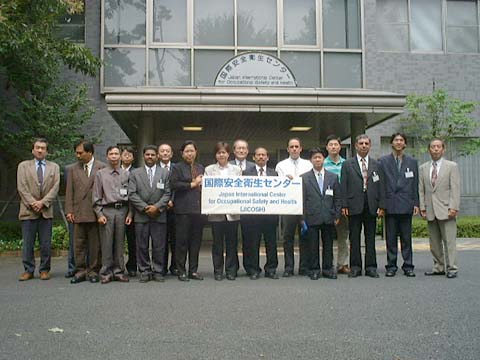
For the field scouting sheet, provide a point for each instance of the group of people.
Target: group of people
(157, 207)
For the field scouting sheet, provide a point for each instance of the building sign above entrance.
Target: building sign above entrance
(255, 69)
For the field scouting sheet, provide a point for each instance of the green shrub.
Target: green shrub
(11, 237)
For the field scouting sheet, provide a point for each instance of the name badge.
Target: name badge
(160, 185)
(409, 174)
(375, 177)
(123, 192)
(329, 192)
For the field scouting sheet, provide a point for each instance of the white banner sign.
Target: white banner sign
(252, 195)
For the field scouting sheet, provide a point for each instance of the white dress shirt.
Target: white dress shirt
(292, 167)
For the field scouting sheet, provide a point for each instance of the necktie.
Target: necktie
(320, 182)
(364, 174)
(86, 170)
(260, 171)
(434, 173)
(295, 167)
(40, 173)
(240, 164)
(150, 176)
(167, 168)
(399, 164)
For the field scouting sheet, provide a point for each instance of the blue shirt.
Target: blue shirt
(335, 168)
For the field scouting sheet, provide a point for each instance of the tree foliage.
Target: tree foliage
(439, 115)
(36, 100)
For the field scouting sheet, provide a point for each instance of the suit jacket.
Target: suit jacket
(436, 200)
(351, 187)
(320, 208)
(187, 200)
(249, 164)
(401, 191)
(270, 219)
(29, 189)
(78, 195)
(141, 194)
(214, 170)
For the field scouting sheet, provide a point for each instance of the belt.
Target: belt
(117, 205)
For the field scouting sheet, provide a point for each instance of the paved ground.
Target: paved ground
(295, 318)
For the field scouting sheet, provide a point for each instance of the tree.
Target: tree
(439, 115)
(35, 100)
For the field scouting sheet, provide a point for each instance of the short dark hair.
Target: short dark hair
(436, 139)
(331, 138)
(221, 146)
(362, 136)
(188, 142)
(394, 135)
(111, 147)
(317, 150)
(149, 147)
(258, 148)
(40, 140)
(294, 138)
(87, 145)
(128, 149)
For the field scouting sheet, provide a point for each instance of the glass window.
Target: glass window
(305, 66)
(170, 21)
(462, 26)
(343, 70)
(426, 25)
(169, 67)
(124, 22)
(213, 22)
(257, 22)
(392, 25)
(341, 24)
(124, 67)
(299, 22)
(72, 27)
(208, 63)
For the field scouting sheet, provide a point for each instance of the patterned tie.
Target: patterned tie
(40, 173)
(260, 171)
(150, 176)
(364, 174)
(320, 182)
(86, 170)
(240, 164)
(167, 168)
(434, 173)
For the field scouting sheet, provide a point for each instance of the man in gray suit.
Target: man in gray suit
(149, 195)
(37, 184)
(240, 150)
(439, 190)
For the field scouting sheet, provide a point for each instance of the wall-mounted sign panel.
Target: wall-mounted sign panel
(255, 69)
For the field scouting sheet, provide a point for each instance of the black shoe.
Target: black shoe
(231, 277)
(372, 273)
(174, 272)
(254, 276)
(77, 279)
(195, 276)
(434, 273)
(409, 273)
(314, 276)
(302, 272)
(69, 274)
(329, 275)
(94, 279)
(390, 273)
(158, 277)
(271, 275)
(354, 273)
(132, 273)
(451, 274)
(218, 277)
(183, 277)
(287, 273)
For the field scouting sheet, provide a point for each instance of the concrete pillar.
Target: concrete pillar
(358, 125)
(145, 136)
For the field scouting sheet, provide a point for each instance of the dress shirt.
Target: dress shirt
(287, 167)
(165, 166)
(334, 167)
(241, 163)
(106, 189)
(43, 163)
(264, 170)
(439, 163)
(127, 169)
(154, 168)
(359, 160)
(89, 166)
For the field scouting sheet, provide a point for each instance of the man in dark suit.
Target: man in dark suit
(38, 181)
(321, 211)
(362, 201)
(256, 226)
(240, 150)
(149, 194)
(127, 159)
(401, 201)
(79, 210)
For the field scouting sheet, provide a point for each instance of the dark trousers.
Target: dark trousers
(225, 232)
(170, 247)
(189, 230)
(30, 229)
(290, 224)
(112, 237)
(158, 233)
(87, 241)
(253, 232)
(399, 224)
(312, 237)
(71, 249)
(130, 233)
(369, 223)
